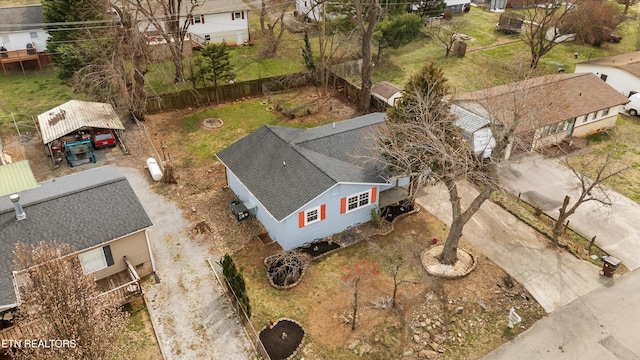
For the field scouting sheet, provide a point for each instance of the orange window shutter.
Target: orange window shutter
(191, 20)
(202, 18)
(301, 219)
(232, 17)
(323, 212)
(243, 14)
(343, 205)
(374, 192)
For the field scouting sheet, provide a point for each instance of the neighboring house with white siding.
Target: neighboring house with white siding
(622, 72)
(22, 25)
(220, 20)
(306, 184)
(97, 213)
(547, 109)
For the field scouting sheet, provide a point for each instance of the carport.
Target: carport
(74, 116)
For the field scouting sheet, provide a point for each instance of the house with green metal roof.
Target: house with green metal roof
(307, 184)
(16, 177)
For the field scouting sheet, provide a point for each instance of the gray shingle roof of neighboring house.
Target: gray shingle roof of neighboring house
(629, 62)
(14, 18)
(285, 168)
(85, 209)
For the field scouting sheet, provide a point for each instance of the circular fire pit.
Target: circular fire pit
(212, 123)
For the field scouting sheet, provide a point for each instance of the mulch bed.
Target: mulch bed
(391, 212)
(281, 347)
(319, 248)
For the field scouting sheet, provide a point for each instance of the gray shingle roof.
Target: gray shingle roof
(14, 18)
(85, 209)
(316, 159)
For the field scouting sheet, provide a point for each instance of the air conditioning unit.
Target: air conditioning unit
(238, 210)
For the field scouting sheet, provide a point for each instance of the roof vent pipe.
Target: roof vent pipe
(20, 214)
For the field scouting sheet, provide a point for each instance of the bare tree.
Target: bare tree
(542, 24)
(108, 78)
(60, 302)
(627, 4)
(590, 172)
(593, 22)
(421, 140)
(272, 24)
(396, 260)
(171, 18)
(445, 32)
(366, 15)
(352, 275)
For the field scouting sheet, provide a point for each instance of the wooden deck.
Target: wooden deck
(124, 286)
(13, 56)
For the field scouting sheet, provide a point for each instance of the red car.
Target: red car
(102, 138)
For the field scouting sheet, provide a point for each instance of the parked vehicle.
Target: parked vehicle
(633, 107)
(102, 138)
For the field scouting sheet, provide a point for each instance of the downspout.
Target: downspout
(153, 263)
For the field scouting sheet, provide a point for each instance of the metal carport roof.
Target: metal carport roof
(74, 115)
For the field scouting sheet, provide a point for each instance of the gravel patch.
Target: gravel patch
(191, 316)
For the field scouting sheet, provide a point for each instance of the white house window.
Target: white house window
(358, 200)
(594, 115)
(237, 15)
(33, 34)
(197, 19)
(96, 259)
(312, 215)
(605, 112)
(603, 77)
(586, 117)
(207, 37)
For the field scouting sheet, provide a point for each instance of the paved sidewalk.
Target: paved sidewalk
(554, 277)
(545, 182)
(190, 313)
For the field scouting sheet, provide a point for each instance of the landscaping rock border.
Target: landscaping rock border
(285, 287)
(304, 335)
(212, 123)
(466, 263)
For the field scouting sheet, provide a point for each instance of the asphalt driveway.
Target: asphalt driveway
(552, 276)
(544, 183)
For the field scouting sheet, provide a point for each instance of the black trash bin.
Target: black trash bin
(610, 265)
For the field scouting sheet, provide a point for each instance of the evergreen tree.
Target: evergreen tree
(236, 282)
(217, 64)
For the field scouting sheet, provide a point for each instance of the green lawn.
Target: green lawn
(29, 95)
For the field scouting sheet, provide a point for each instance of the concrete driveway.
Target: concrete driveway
(552, 276)
(544, 183)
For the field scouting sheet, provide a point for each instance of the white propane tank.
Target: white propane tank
(154, 169)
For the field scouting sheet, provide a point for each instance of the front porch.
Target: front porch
(392, 196)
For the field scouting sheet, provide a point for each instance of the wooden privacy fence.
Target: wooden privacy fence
(226, 92)
(239, 90)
